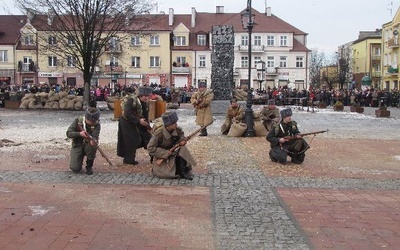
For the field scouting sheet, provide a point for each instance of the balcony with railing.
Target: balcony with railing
(376, 74)
(392, 71)
(113, 69)
(376, 57)
(116, 48)
(254, 48)
(393, 42)
(271, 71)
(180, 70)
(27, 67)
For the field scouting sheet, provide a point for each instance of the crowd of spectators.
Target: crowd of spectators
(368, 97)
(283, 95)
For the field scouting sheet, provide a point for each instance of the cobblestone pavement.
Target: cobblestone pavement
(256, 204)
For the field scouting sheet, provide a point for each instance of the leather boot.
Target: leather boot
(203, 132)
(184, 171)
(89, 167)
(185, 174)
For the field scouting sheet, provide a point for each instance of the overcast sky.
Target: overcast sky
(329, 24)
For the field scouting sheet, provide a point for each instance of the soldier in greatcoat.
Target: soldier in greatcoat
(270, 115)
(281, 147)
(235, 113)
(167, 163)
(201, 101)
(80, 130)
(133, 125)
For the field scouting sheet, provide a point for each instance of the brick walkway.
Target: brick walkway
(237, 200)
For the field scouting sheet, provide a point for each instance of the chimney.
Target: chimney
(171, 17)
(193, 19)
(220, 9)
(268, 11)
(50, 16)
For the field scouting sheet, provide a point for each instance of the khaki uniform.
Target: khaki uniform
(233, 113)
(80, 147)
(270, 117)
(203, 110)
(295, 148)
(158, 148)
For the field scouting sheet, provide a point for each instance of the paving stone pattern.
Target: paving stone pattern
(247, 213)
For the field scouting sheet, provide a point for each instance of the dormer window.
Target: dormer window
(201, 40)
(28, 40)
(180, 41)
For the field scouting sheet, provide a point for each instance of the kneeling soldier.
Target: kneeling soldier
(84, 132)
(168, 163)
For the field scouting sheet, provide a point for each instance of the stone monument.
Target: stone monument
(222, 60)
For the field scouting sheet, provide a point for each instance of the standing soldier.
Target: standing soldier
(281, 147)
(270, 115)
(84, 132)
(235, 113)
(201, 101)
(133, 126)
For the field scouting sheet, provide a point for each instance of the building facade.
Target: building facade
(176, 51)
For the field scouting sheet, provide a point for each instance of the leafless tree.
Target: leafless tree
(84, 28)
(317, 61)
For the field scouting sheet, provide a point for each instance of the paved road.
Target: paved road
(241, 200)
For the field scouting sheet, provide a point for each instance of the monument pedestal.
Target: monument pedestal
(219, 107)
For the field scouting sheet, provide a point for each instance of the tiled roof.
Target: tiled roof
(10, 26)
(297, 46)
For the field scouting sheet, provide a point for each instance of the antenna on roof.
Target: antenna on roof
(390, 8)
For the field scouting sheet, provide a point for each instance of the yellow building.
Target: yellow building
(366, 61)
(390, 49)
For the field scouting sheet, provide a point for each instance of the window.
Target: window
(180, 60)
(70, 41)
(154, 61)
(283, 61)
(135, 62)
(377, 51)
(3, 56)
(244, 62)
(244, 40)
(135, 40)
(270, 41)
(28, 40)
(270, 62)
(52, 61)
(71, 61)
(154, 40)
(202, 61)
(257, 40)
(299, 62)
(283, 40)
(201, 40)
(256, 60)
(114, 43)
(180, 41)
(52, 40)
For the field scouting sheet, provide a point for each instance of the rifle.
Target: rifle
(305, 134)
(160, 161)
(200, 100)
(96, 144)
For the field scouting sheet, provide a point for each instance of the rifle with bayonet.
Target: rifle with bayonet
(160, 161)
(304, 134)
(89, 138)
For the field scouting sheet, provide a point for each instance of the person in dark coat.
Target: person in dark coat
(281, 147)
(133, 125)
(168, 163)
(81, 129)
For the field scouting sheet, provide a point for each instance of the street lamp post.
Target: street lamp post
(248, 24)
